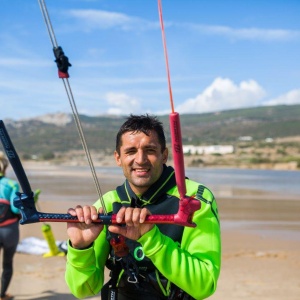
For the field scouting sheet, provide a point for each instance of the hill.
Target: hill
(53, 136)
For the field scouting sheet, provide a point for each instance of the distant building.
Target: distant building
(213, 149)
(246, 138)
(269, 140)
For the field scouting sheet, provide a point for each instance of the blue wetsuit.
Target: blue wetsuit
(9, 229)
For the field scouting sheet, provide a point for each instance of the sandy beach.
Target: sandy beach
(260, 239)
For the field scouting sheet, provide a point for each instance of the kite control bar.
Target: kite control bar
(30, 215)
(25, 201)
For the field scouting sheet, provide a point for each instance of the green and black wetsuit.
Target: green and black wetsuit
(169, 257)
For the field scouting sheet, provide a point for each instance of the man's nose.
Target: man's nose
(140, 157)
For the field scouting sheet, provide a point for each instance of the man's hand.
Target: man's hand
(83, 234)
(134, 219)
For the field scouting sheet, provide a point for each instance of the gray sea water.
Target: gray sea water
(276, 181)
(262, 201)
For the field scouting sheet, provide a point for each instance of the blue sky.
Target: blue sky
(222, 55)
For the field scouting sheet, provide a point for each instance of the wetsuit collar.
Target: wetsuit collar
(160, 187)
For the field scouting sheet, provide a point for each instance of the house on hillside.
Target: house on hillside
(246, 138)
(212, 149)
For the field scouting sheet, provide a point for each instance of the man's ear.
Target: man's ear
(165, 155)
(117, 158)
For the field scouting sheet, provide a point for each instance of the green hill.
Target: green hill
(43, 138)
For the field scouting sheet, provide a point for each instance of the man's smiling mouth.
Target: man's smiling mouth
(141, 171)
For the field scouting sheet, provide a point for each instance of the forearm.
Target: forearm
(85, 268)
(193, 264)
(82, 276)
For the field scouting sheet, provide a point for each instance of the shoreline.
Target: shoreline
(110, 162)
(260, 246)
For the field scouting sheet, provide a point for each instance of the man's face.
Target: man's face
(141, 159)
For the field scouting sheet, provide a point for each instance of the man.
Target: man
(147, 261)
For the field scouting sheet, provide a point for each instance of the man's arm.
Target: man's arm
(85, 268)
(194, 266)
(87, 253)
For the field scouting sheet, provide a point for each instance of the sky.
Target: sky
(223, 54)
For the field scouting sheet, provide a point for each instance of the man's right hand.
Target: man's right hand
(84, 233)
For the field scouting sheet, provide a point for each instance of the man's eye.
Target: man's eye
(151, 151)
(130, 152)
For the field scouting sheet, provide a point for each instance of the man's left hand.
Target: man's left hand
(134, 219)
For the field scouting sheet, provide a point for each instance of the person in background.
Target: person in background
(147, 261)
(9, 226)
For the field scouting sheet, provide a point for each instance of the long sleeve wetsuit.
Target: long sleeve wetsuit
(192, 264)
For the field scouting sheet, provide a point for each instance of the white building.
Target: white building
(246, 138)
(213, 149)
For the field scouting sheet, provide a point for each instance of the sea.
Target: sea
(275, 181)
(263, 201)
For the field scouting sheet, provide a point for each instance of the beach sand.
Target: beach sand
(260, 240)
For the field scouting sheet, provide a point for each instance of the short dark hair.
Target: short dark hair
(142, 123)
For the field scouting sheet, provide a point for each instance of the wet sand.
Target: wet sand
(260, 239)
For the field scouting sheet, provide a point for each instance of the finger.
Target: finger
(79, 213)
(117, 229)
(128, 216)
(143, 215)
(87, 214)
(136, 216)
(72, 212)
(94, 213)
(120, 215)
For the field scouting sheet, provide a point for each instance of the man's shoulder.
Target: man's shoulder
(111, 194)
(194, 189)
(199, 190)
(193, 186)
(109, 198)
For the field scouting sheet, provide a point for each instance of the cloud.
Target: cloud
(122, 104)
(100, 19)
(292, 97)
(224, 94)
(245, 33)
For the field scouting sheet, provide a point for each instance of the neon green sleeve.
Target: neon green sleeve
(194, 266)
(85, 268)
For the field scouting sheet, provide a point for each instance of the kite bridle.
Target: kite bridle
(25, 201)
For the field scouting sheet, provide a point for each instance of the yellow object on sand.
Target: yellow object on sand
(54, 251)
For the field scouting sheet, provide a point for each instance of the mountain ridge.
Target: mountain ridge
(57, 133)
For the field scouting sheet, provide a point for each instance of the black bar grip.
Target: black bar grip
(57, 217)
(14, 159)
